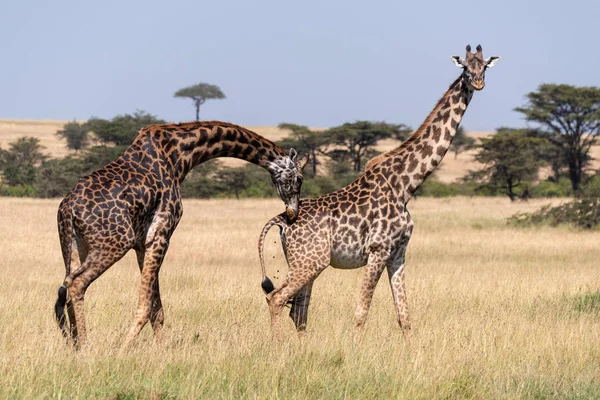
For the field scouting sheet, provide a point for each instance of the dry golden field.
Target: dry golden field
(497, 312)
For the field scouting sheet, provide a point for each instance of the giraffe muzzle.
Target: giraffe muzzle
(291, 214)
(478, 84)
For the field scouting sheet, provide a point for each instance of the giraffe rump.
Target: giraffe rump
(267, 284)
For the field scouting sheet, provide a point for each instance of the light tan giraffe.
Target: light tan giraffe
(367, 222)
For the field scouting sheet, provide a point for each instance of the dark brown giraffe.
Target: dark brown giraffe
(134, 203)
(367, 222)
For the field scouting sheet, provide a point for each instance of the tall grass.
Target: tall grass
(498, 312)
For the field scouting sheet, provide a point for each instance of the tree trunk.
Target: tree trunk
(510, 190)
(198, 110)
(314, 163)
(574, 175)
(357, 163)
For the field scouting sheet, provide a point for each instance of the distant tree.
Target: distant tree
(75, 134)
(553, 155)
(511, 160)
(122, 129)
(201, 182)
(56, 177)
(461, 142)
(400, 132)
(572, 115)
(356, 140)
(98, 156)
(234, 179)
(19, 163)
(246, 181)
(306, 141)
(199, 93)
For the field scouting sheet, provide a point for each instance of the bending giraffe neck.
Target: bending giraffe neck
(419, 156)
(189, 144)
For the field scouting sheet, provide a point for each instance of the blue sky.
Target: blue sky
(318, 63)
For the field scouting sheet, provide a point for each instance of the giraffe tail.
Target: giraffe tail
(267, 285)
(65, 233)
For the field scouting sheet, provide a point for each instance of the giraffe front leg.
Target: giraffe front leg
(375, 266)
(397, 282)
(157, 316)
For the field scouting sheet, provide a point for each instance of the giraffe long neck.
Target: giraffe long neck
(419, 156)
(187, 145)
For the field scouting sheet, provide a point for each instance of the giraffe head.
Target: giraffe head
(474, 66)
(286, 174)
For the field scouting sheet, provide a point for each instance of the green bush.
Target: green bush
(551, 189)
(57, 177)
(435, 188)
(18, 191)
(583, 213)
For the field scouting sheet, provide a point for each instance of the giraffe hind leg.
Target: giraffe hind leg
(294, 282)
(75, 254)
(95, 264)
(299, 309)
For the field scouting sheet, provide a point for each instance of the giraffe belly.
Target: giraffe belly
(348, 258)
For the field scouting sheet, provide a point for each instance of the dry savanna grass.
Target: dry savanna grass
(497, 312)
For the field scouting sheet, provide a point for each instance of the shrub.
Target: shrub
(18, 191)
(57, 177)
(583, 213)
(551, 189)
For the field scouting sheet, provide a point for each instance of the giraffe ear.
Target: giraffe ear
(293, 154)
(459, 62)
(491, 61)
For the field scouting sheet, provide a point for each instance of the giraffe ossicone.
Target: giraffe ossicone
(367, 223)
(134, 202)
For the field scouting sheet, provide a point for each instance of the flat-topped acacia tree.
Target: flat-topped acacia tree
(199, 93)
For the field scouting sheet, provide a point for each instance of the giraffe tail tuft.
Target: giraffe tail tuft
(59, 309)
(267, 285)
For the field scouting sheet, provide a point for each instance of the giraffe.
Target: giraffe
(367, 222)
(134, 202)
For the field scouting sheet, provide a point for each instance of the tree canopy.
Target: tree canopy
(122, 129)
(571, 116)
(20, 162)
(75, 134)
(461, 142)
(199, 93)
(307, 141)
(511, 161)
(357, 139)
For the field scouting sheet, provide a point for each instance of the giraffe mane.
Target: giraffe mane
(417, 134)
(200, 124)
